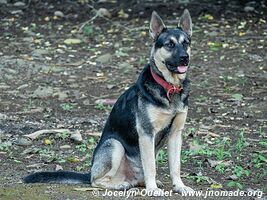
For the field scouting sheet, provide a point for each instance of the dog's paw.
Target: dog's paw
(154, 192)
(182, 189)
(124, 186)
(159, 184)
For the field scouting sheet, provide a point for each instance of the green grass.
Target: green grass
(88, 30)
(198, 178)
(235, 184)
(258, 160)
(241, 142)
(220, 168)
(5, 146)
(101, 106)
(66, 106)
(63, 135)
(162, 156)
(239, 171)
(221, 153)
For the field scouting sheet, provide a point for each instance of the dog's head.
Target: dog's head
(171, 48)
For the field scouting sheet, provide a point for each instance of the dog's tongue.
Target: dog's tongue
(182, 69)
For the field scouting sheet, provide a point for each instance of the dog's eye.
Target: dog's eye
(170, 44)
(185, 43)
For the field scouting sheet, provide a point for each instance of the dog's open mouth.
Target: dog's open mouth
(182, 69)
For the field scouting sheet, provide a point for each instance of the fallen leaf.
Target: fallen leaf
(76, 136)
(241, 34)
(216, 186)
(71, 41)
(58, 167)
(47, 142)
(106, 101)
(93, 133)
(237, 97)
(73, 159)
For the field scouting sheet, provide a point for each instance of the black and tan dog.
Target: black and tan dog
(149, 113)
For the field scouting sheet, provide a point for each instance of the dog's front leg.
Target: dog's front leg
(174, 153)
(147, 151)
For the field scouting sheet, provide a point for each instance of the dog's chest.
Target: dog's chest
(160, 118)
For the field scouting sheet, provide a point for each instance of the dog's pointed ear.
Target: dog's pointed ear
(156, 25)
(186, 22)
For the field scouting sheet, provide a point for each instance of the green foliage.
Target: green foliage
(239, 171)
(241, 143)
(88, 30)
(66, 106)
(81, 147)
(101, 106)
(258, 160)
(221, 153)
(5, 146)
(220, 168)
(263, 143)
(235, 184)
(162, 156)
(63, 135)
(198, 178)
(142, 60)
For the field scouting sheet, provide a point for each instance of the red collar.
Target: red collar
(171, 89)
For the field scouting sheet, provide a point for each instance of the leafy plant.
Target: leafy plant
(240, 171)
(142, 60)
(221, 153)
(81, 147)
(235, 184)
(198, 178)
(259, 160)
(162, 156)
(184, 156)
(241, 142)
(263, 143)
(66, 106)
(63, 135)
(190, 131)
(101, 106)
(220, 168)
(87, 30)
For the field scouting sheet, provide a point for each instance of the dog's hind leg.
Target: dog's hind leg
(109, 166)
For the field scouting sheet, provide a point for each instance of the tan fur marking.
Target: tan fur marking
(116, 178)
(159, 118)
(174, 148)
(174, 39)
(189, 51)
(147, 151)
(181, 39)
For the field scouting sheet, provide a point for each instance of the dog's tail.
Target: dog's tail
(66, 177)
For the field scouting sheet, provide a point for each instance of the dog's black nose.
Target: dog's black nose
(184, 59)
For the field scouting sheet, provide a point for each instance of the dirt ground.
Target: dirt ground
(57, 67)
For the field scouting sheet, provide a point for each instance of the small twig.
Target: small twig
(104, 96)
(103, 17)
(87, 22)
(36, 134)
